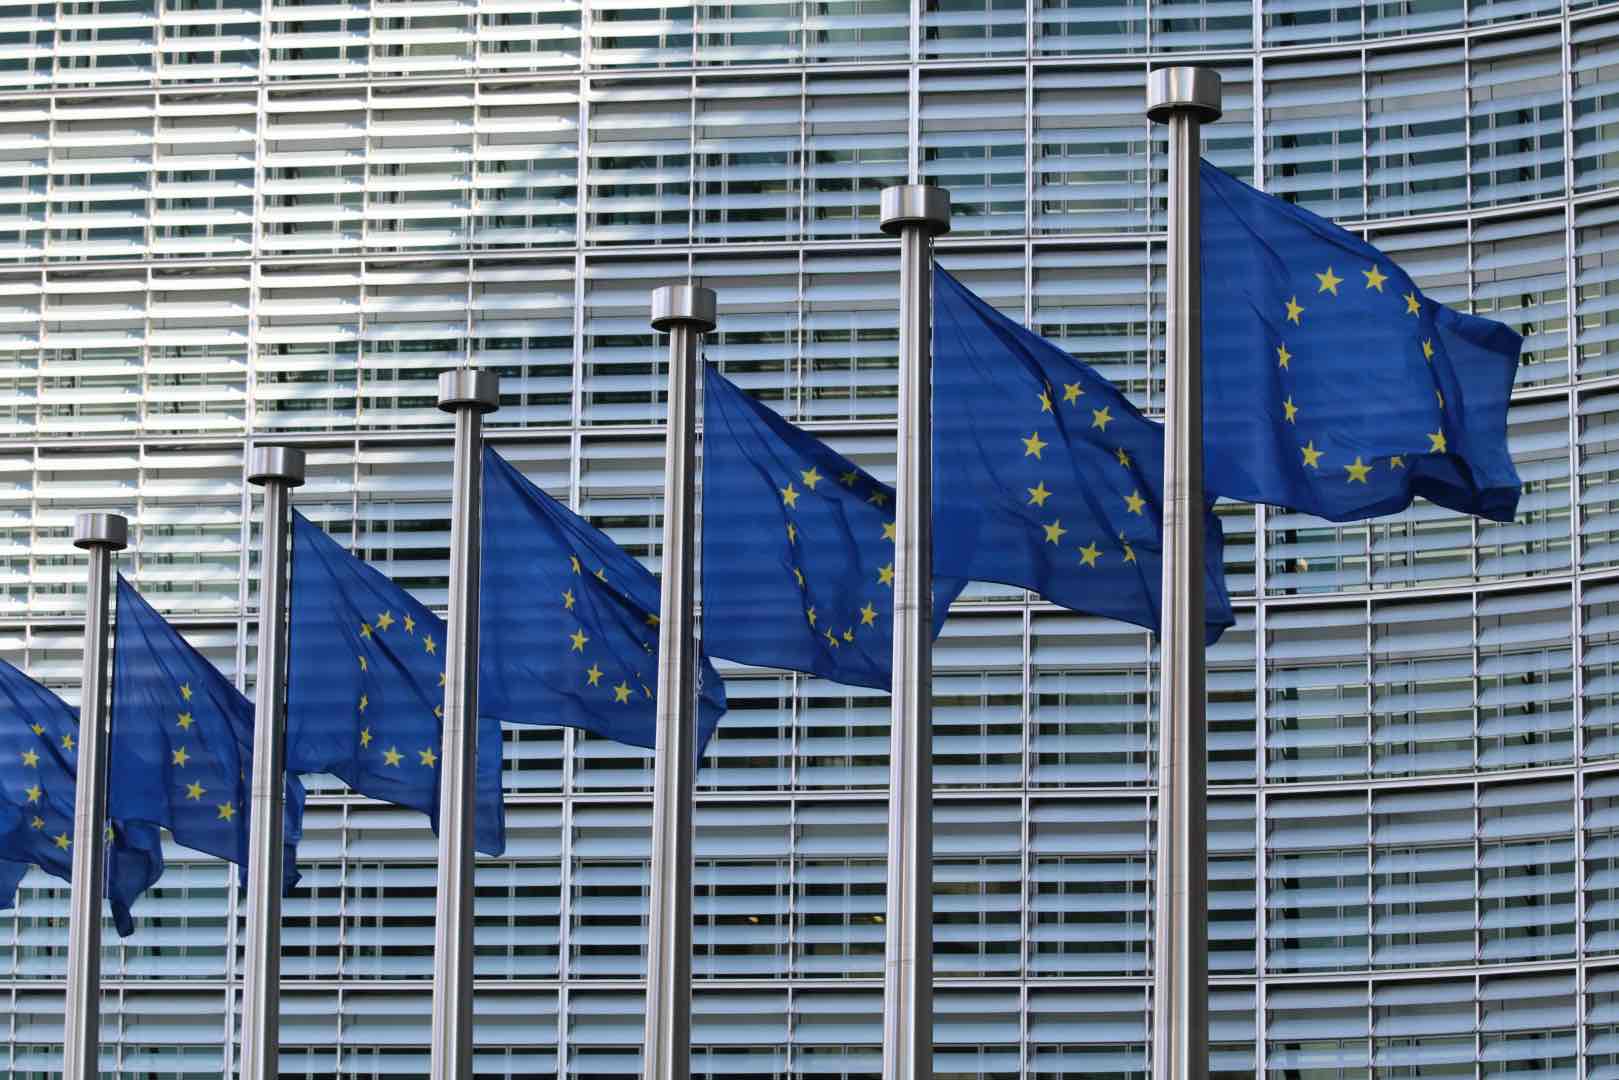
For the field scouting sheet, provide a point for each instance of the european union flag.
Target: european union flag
(798, 548)
(38, 770)
(182, 741)
(1046, 477)
(569, 628)
(1331, 385)
(365, 694)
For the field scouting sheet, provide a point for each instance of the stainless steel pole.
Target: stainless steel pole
(278, 469)
(685, 311)
(468, 394)
(100, 535)
(916, 213)
(1185, 98)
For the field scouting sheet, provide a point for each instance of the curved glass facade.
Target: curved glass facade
(233, 218)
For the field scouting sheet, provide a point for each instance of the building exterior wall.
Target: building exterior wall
(224, 219)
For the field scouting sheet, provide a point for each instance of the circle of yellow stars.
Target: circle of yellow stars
(392, 757)
(180, 758)
(876, 496)
(1033, 446)
(622, 692)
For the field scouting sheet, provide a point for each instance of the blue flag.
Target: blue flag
(365, 687)
(1045, 477)
(569, 628)
(38, 770)
(1331, 385)
(182, 741)
(798, 548)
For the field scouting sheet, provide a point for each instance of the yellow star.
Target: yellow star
(811, 477)
(1412, 305)
(37, 822)
(1283, 356)
(67, 741)
(848, 478)
(645, 689)
(593, 675)
(33, 792)
(888, 531)
(365, 738)
(37, 728)
(184, 722)
(429, 644)
(438, 711)
(185, 691)
(1038, 494)
(573, 563)
(227, 811)
(1427, 349)
(621, 693)
(363, 665)
(63, 841)
(109, 833)
(651, 619)
(789, 495)
(1124, 459)
(885, 575)
(1045, 401)
(1375, 278)
(392, 756)
(365, 630)
(365, 700)
(848, 634)
(878, 498)
(1357, 471)
(428, 757)
(1101, 418)
(1294, 311)
(1396, 462)
(1032, 445)
(1088, 554)
(1329, 282)
(811, 614)
(578, 637)
(799, 574)
(195, 791)
(1437, 441)
(410, 625)
(385, 620)
(601, 573)
(1134, 502)
(1440, 394)
(868, 615)
(179, 757)
(1290, 410)
(831, 639)
(792, 533)
(441, 678)
(1054, 531)
(567, 600)
(1129, 552)
(30, 759)
(1071, 392)
(1311, 455)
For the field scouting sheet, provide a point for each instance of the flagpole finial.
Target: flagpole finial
(1176, 89)
(95, 530)
(465, 388)
(683, 305)
(916, 204)
(271, 464)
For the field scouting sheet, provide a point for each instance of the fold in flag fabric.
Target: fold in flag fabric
(798, 548)
(182, 742)
(1331, 385)
(38, 770)
(1045, 477)
(569, 627)
(365, 687)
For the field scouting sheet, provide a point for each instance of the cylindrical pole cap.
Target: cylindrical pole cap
(1183, 89)
(101, 530)
(683, 305)
(916, 204)
(276, 464)
(464, 388)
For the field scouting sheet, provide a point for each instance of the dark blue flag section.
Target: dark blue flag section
(569, 626)
(38, 770)
(182, 741)
(1331, 385)
(1045, 477)
(798, 548)
(365, 694)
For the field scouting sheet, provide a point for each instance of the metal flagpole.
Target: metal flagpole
(916, 213)
(468, 394)
(100, 535)
(685, 311)
(1184, 98)
(278, 469)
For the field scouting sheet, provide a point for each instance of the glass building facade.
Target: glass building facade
(224, 220)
